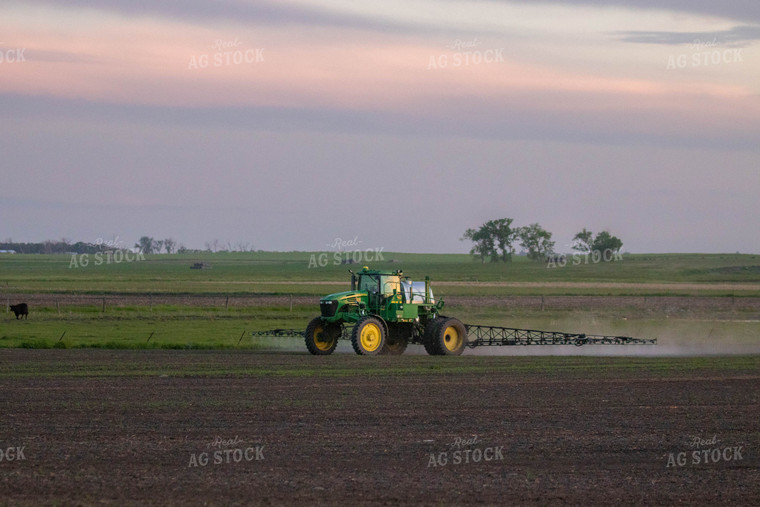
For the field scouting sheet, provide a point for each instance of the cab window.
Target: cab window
(389, 284)
(368, 283)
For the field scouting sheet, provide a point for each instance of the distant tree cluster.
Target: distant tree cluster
(218, 246)
(146, 245)
(603, 243)
(493, 241)
(61, 246)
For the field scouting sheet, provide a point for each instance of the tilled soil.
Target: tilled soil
(133, 427)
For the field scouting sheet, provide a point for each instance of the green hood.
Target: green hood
(346, 296)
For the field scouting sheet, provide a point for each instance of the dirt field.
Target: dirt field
(133, 427)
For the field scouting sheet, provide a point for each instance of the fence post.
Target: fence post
(104, 304)
(542, 303)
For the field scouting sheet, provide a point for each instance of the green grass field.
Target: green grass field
(190, 325)
(286, 273)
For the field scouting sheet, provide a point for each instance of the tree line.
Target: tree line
(146, 245)
(62, 246)
(494, 241)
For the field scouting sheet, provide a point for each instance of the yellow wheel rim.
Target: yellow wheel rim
(452, 340)
(370, 337)
(321, 341)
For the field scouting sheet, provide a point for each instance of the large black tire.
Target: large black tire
(396, 341)
(368, 336)
(321, 338)
(429, 338)
(450, 337)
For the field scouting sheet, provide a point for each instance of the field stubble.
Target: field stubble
(120, 427)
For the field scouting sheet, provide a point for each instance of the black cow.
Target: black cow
(20, 309)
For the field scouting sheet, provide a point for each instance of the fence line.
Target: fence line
(59, 302)
(669, 304)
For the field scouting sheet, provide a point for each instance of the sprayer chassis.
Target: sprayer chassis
(385, 311)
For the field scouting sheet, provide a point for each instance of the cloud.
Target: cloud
(264, 12)
(590, 116)
(63, 57)
(735, 37)
(742, 10)
(288, 13)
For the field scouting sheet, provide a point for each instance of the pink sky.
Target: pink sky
(590, 86)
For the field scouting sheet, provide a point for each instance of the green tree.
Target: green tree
(493, 240)
(483, 247)
(146, 245)
(170, 245)
(604, 243)
(536, 240)
(584, 241)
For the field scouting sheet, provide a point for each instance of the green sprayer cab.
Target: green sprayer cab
(387, 311)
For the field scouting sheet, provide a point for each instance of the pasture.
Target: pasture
(160, 302)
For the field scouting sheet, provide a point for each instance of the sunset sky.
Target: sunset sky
(288, 124)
